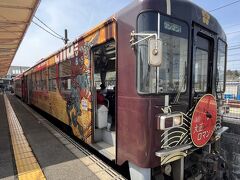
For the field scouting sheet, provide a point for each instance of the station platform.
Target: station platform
(30, 148)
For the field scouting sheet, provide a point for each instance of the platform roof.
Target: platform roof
(15, 17)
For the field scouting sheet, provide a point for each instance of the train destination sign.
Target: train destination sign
(172, 27)
(204, 120)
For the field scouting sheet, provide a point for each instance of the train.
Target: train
(144, 87)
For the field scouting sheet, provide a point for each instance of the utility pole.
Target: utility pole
(66, 37)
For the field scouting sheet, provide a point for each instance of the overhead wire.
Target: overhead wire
(48, 27)
(56, 36)
(237, 45)
(233, 60)
(236, 54)
(47, 30)
(232, 25)
(224, 6)
(233, 43)
(233, 46)
(235, 32)
(236, 48)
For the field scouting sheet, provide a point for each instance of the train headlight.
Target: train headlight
(166, 121)
(177, 120)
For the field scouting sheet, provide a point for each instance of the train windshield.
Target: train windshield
(170, 77)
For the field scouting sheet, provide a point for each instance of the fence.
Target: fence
(232, 99)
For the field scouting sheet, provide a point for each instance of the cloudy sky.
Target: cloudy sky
(78, 16)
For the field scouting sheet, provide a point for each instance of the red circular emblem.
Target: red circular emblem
(204, 120)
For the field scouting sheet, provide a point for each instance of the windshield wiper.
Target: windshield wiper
(176, 99)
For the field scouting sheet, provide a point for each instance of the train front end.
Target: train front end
(177, 84)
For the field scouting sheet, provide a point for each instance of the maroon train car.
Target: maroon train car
(158, 84)
(18, 85)
(168, 59)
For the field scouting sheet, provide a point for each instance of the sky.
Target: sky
(78, 16)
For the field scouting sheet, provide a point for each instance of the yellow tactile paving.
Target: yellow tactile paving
(23, 156)
(26, 163)
(103, 175)
(87, 160)
(95, 168)
(36, 175)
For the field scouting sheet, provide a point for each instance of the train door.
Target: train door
(104, 93)
(25, 79)
(22, 89)
(28, 89)
(202, 66)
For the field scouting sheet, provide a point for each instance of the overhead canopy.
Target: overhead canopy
(15, 16)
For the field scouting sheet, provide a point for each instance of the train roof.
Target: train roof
(184, 10)
(18, 76)
(82, 36)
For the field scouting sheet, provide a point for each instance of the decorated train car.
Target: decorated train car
(144, 87)
(18, 85)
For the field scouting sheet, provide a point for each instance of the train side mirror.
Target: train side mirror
(155, 52)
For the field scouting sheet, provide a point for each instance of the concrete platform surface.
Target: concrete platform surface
(7, 170)
(57, 157)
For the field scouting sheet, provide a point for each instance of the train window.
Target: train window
(65, 68)
(201, 70)
(65, 84)
(38, 80)
(33, 81)
(44, 79)
(52, 85)
(221, 66)
(65, 75)
(170, 76)
(41, 80)
(104, 65)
